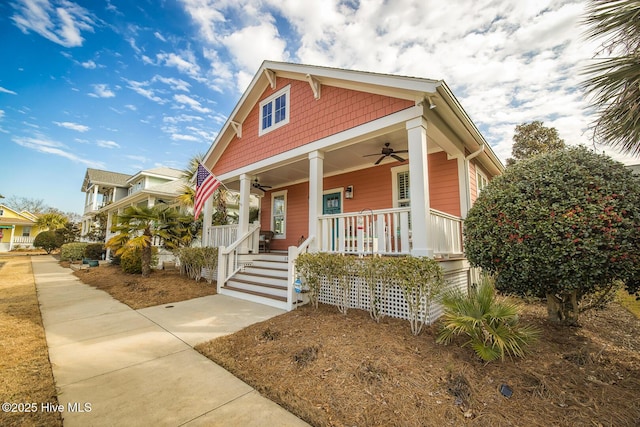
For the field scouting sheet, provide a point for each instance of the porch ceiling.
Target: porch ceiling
(343, 158)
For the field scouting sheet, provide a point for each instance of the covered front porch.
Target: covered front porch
(341, 194)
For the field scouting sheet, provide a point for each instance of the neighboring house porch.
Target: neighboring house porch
(17, 229)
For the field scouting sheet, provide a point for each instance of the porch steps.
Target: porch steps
(263, 280)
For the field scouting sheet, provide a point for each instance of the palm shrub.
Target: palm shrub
(491, 324)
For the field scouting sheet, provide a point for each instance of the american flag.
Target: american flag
(206, 184)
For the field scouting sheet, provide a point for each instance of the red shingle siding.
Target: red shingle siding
(444, 191)
(309, 120)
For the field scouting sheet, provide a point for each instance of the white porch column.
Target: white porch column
(95, 198)
(243, 215)
(419, 186)
(207, 212)
(13, 230)
(316, 172)
(151, 201)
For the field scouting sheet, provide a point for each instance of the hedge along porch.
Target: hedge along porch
(306, 139)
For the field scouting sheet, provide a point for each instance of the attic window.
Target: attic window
(274, 111)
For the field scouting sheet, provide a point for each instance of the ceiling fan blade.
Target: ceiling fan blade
(400, 151)
(398, 158)
(369, 155)
(379, 160)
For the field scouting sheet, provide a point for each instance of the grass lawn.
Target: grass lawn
(629, 302)
(24, 358)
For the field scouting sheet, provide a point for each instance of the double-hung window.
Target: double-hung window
(274, 111)
(279, 214)
(481, 180)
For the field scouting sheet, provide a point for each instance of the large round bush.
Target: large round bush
(560, 225)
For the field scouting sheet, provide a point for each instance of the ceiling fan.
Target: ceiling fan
(386, 152)
(256, 184)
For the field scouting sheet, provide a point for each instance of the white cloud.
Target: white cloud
(73, 126)
(1, 114)
(176, 84)
(60, 21)
(131, 107)
(90, 65)
(159, 36)
(44, 145)
(185, 62)
(141, 89)
(107, 144)
(102, 91)
(192, 103)
(10, 92)
(249, 46)
(181, 137)
(181, 118)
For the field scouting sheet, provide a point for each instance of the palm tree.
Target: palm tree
(188, 191)
(51, 221)
(138, 226)
(492, 325)
(614, 80)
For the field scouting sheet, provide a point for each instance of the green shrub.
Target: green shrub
(419, 278)
(94, 251)
(193, 260)
(72, 251)
(131, 260)
(491, 324)
(47, 240)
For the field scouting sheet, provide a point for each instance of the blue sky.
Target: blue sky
(130, 85)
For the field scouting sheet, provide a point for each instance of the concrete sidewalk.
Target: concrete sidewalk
(117, 366)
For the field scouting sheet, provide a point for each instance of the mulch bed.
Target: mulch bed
(336, 370)
(161, 287)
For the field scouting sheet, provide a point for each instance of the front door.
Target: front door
(332, 203)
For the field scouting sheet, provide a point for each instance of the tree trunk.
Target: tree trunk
(146, 260)
(563, 308)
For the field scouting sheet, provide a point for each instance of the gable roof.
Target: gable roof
(18, 218)
(160, 172)
(97, 176)
(416, 89)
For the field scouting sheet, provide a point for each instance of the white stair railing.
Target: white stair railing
(292, 255)
(228, 257)
(222, 235)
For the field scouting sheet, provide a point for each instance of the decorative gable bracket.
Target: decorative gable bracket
(315, 86)
(237, 128)
(271, 76)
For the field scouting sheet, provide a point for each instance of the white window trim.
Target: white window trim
(394, 182)
(480, 175)
(273, 225)
(335, 190)
(272, 98)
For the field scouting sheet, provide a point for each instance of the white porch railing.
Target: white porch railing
(228, 257)
(222, 235)
(292, 255)
(446, 232)
(23, 240)
(384, 232)
(387, 232)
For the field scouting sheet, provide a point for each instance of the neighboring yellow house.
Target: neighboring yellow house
(17, 229)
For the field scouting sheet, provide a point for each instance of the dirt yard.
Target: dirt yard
(26, 378)
(161, 287)
(336, 370)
